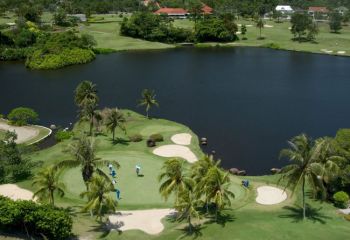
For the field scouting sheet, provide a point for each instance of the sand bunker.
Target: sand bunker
(270, 195)
(14, 192)
(341, 52)
(23, 133)
(182, 138)
(176, 151)
(148, 221)
(268, 26)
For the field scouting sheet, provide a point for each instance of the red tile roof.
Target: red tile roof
(171, 11)
(206, 9)
(318, 9)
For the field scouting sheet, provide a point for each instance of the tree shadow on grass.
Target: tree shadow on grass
(120, 141)
(195, 232)
(312, 214)
(222, 219)
(105, 228)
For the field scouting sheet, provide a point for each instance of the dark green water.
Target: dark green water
(247, 101)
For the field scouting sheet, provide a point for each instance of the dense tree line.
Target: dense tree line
(148, 26)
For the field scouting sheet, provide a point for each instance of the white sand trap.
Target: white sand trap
(148, 221)
(238, 32)
(14, 192)
(182, 138)
(341, 52)
(249, 25)
(176, 151)
(268, 26)
(270, 195)
(23, 133)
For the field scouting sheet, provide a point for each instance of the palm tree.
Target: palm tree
(188, 201)
(47, 181)
(148, 100)
(260, 24)
(174, 179)
(304, 155)
(199, 171)
(100, 201)
(84, 154)
(115, 119)
(85, 92)
(216, 187)
(87, 100)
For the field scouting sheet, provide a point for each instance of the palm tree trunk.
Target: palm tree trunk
(91, 126)
(113, 134)
(189, 224)
(216, 213)
(304, 207)
(260, 33)
(52, 201)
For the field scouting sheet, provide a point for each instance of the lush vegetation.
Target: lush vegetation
(36, 220)
(22, 116)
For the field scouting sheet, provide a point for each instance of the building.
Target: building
(341, 10)
(206, 9)
(318, 12)
(284, 9)
(172, 12)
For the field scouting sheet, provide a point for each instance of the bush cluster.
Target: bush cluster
(63, 135)
(156, 137)
(37, 220)
(136, 138)
(341, 199)
(40, 60)
(22, 116)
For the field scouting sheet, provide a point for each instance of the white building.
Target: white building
(284, 9)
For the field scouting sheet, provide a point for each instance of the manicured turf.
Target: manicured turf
(245, 220)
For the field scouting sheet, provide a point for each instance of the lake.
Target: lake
(247, 101)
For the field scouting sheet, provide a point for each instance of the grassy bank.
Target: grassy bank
(244, 220)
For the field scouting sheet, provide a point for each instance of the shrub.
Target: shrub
(11, 54)
(63, 135)
(136, 138)
(216, 29)
(22, 116)
(40, 60)
(156, 137)
(29, 217)
(103, 50)
(272, 45)
(341, 199)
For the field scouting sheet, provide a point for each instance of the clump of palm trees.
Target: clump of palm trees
(313, 164)
(205, 184)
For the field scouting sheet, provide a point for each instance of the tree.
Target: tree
(244, 31)
(277, 15)
(48, 182)
(216, 188)
(87, 100)
(199, 171)
(312, 31)
(186, 206)
(301, 24)
(100, 201)
(260, 24)
(84, 154)
(115, 119)
(195, 9)
(173, 179)
(305, 168)
(22, 116)
(60, 17)
(148, 100)
(335, 22)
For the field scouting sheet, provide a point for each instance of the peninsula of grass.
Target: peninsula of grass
(245, 219)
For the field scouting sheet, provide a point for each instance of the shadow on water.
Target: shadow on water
(312, 214)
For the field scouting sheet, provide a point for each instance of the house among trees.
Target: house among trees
(318, 12)
(180, 12)
(341, 10)
(80, 17)
(285, 9)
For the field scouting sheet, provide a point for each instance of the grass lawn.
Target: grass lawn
(244, 220)
(2, 134)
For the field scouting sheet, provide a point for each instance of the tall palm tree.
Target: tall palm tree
(305, 168)
(84, 155)
(148, 100)
(87, 100)
(47, 181)
(100, 201)
(199, 170)
(188, 202)
(260, 24)
(216, 187)
(115, 119)
(174, 178)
